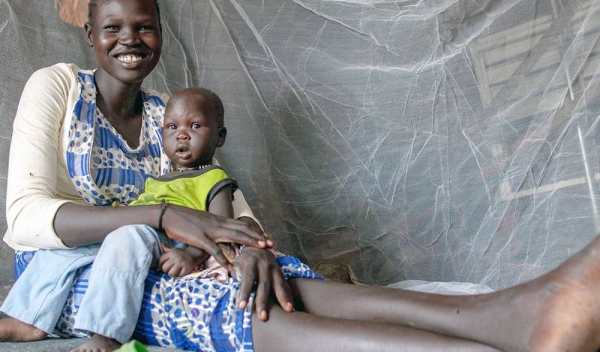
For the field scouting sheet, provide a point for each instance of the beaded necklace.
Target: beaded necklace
(199, 167)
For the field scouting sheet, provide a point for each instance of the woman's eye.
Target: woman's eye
(146, 28)
(112, 28)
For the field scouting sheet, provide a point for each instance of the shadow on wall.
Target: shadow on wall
(6, 274)
(74, 12)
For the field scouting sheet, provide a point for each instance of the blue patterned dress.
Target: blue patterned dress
(184, 313)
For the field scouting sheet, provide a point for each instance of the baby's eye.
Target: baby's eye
(171, 127)
(196, 125)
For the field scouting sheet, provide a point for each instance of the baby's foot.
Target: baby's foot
(98, 343)
(13, 330)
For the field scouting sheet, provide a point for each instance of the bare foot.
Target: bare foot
(13, 330)
(570, 319)
(98, 343)
(559, 311)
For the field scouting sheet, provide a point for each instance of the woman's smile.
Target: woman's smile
(129, 58)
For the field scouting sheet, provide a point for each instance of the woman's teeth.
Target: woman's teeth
(129, 58)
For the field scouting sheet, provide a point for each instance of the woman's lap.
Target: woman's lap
(194, 314)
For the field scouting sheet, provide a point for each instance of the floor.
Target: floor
(56, 345)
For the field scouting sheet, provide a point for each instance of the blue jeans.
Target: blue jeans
(111, 304)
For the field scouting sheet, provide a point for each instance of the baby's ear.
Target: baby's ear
(222, 136)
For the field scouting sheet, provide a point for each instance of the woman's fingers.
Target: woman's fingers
(253, 225)
(257, 270)
(270, 280)
(237, 236)
(213, 249)
(247, 278)
(165, 247)
(283, 292)
(195, 227)
(263, 292)
(240, 232)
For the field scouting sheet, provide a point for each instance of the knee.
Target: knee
(133, 237)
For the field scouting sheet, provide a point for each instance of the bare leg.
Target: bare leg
(98, 343)
(13, 330)
(308, 332)
(559, 311)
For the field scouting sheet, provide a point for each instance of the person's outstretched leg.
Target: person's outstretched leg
(301, 331)
(37, 298)
(113, 299)
(558, 311)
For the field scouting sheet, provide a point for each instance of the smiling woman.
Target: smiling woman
(105, 129)
(72, 11)
(84, 140)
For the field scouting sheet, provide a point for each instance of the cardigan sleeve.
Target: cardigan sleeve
(31, 198)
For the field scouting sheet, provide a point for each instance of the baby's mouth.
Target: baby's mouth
(183, 152)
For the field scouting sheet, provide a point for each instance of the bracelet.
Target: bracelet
(163, 207)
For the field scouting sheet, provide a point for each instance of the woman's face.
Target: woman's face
(126, 38)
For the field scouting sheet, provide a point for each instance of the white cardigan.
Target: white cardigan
(38, 181)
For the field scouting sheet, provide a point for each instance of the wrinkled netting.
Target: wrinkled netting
(447, 140)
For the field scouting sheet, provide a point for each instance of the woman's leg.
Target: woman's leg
(558, 311)
(301, 331)
(35, 301)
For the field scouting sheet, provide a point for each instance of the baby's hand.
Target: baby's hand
(177, 262)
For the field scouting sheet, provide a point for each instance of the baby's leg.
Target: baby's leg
(113, 299)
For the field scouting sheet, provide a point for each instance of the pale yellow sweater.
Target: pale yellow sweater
(38, 182)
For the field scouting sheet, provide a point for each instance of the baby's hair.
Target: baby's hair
(94, 3)
(217, 104)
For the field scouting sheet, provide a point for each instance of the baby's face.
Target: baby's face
(190, 131)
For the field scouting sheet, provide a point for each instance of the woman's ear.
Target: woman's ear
(88, 34)
(222, 136)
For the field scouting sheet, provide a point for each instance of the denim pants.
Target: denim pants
(111, 304)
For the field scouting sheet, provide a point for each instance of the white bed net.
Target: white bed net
(444, 140)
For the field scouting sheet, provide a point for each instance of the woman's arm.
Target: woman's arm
(177, 263)
(195, 228)
(44, 211)
(33, 196)
(258, 268)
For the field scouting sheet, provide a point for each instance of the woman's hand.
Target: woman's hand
(204, 230)
(258, 267)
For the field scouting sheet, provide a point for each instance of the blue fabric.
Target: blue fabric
(185, 313)
(171, 308)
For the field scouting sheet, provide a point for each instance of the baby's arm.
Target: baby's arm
(178, 262)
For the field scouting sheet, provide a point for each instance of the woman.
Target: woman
(57, 169)
(46, 209)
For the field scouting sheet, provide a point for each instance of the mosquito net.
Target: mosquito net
(445, 140)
